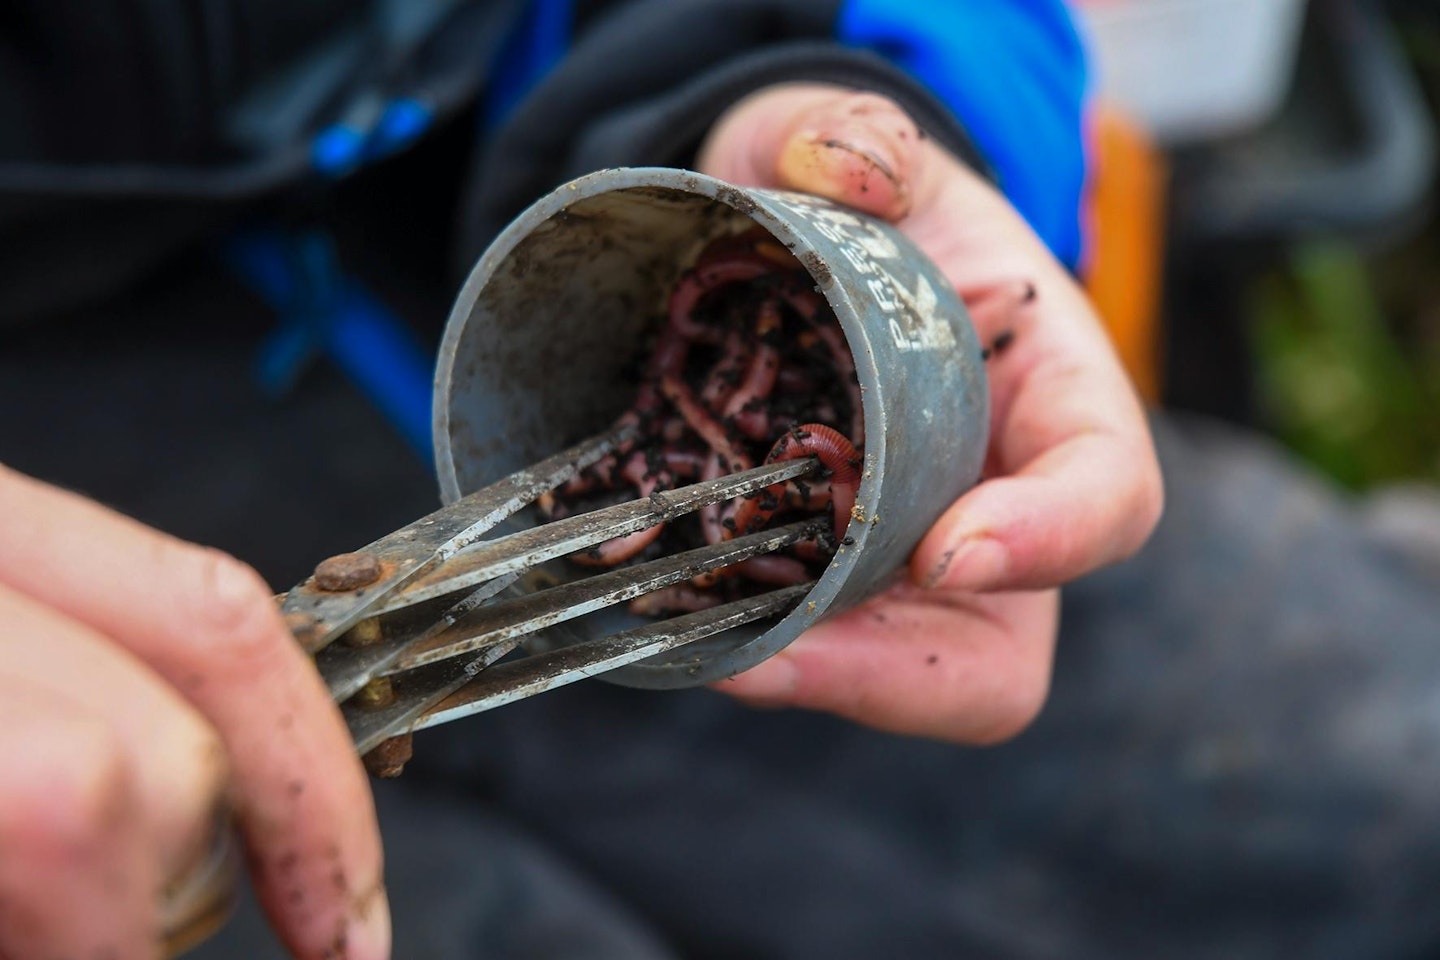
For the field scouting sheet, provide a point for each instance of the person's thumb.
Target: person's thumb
(858, 149)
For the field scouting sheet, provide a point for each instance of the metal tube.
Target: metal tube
(543, 334)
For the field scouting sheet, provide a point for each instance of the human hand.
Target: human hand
(146, 686)
(963, 651)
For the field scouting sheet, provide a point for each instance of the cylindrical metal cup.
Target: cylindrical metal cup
(541, 343)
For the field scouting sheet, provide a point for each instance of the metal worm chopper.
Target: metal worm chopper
(474, 606)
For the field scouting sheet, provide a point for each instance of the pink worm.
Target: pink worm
(836, 454)
(794, 380)
(703, 423)
(705, 277)
(718, 387)
(775, 570)
(601, 472)
(680, 597)
(611, 552)
(807, 304)
(818, 497)
(676, 463)
(759, 380)
(845, 370)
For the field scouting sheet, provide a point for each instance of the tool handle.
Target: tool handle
(196, 906)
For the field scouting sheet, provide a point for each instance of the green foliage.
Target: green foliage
(1347, 388)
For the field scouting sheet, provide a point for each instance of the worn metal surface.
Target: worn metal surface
(421, 644)
(347, 668)
(600, 656)
(519, 551)
(541, 341)
(519, 616)
(317, 615)
(414, 612)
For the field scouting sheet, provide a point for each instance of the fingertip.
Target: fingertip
(855, 166)
(972, 562)
(857, 149)
(369, 933)
(771, 683)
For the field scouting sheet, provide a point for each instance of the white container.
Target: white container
(1193, 69)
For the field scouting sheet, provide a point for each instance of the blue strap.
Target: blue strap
(370, 132)
(1014, 73)
(324, 311)
(537, 43)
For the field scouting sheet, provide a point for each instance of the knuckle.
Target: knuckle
(865, 103)
(65, 799)
(190, 785)
(185, 799)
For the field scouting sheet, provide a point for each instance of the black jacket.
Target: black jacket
(134, 127)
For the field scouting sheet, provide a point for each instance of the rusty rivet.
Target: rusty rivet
(347, 571)
(364, 633)
(378, 693)
(390, 757)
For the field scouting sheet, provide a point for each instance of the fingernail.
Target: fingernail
(367, 936)
(863, 139)
(974, 563)
(771, 683)
(853, 162)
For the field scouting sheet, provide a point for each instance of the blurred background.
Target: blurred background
(1271, 165)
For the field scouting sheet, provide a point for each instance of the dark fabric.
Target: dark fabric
(467, 881)
(133, 129)
(646, 81)
(83, 215)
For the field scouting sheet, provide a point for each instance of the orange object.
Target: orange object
(1127, 239)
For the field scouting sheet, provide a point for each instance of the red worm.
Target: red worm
(772, 569)
(795, 380)
(678, 598)
(703, 423)
(834, 341)
(551, 508)
(812, 551)
(743, 407)
(611, 552)
(601, 472)
(837, 455)
(705, 277)
(815, 497)
(642, 468)
(727, 371)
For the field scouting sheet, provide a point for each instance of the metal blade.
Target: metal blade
(508, 682)
(414, 693)
(517, 551)
(348, 668)
(317, 616)
(514, 618)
